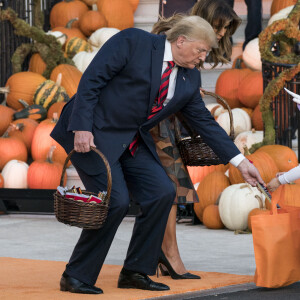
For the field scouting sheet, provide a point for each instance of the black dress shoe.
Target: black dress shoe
(135, 280)
(162, 260)
(73, 285)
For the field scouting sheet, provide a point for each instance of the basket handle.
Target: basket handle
(231, 134)
(106, 163)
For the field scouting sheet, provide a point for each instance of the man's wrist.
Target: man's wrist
(235, 161)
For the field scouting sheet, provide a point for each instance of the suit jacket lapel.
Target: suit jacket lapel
(157, 61)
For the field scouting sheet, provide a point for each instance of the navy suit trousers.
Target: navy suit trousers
(144, 180)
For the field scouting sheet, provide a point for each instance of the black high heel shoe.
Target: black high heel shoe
(162, 260)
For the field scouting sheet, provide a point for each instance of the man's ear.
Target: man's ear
(180, 40)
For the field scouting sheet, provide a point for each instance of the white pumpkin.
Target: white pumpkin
(215, 108)
(251, 55)
(282, 14)
(61, 37)
(241, 121)
(82, 59)
(15, 174)
(248, 138)
(235, 204)
(101, 35)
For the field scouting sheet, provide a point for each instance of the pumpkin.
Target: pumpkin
(83, 59)
(211, 217)
(118, 13)
(100, 36)
(36, 64)
(90, 21)
(248, 110)
(45, 174)
(1, 181)
(256, 118)
(24, 129)
(134, 4)
(89, 2)
(282, 14)
(11, 148)
(255, 212)
(215, 109)
(50, 92)
(75, 45)
(57, 108)
(284, 157)
(70, 77)
(42, 142)
(241, 121)
(15, 174)
(6, 114)
(277, 5)
(198, 173)
(209, 190)
(21, 85)
(251, 55)
(235, 204)
(34, 112)
(287, 195)
(248, 138)
(62, 12)
(264, 164)
(251, 89)
(228, 83)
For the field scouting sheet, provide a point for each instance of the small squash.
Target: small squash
(15, 174)
(34, 112)
(50, 92)
(75, 45)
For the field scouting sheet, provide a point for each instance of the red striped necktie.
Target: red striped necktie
(158, 103)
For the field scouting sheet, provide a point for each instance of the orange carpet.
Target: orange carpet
(26, 279)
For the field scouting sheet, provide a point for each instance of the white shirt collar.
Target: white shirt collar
(168, 52)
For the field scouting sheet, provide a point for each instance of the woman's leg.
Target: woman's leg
(169, 245)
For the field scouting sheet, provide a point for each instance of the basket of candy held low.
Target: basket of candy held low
(81, 208)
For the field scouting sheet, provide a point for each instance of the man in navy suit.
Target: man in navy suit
(116, 95)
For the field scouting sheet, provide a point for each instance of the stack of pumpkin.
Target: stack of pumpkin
(29, 157)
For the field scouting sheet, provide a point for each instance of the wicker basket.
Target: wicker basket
(193, 150)
(82, 214)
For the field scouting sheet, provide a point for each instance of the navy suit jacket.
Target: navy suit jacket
(115, 96)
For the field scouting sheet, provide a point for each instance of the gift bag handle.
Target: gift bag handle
(109, 179)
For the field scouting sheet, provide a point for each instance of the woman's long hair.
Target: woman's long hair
(218, 13)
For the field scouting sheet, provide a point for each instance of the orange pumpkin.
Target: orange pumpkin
(198, 173)
(24, 129)
(255, 212)
(22, 85)
(1, 181)
(36, 64)
(209, 190)
(284, 157)
(228, 83)
(6, 114)
(251, 89)
(42, 142)
(134, 4)
(90, 21)
(278, 5)
(45, 174)
(256, 119)
(211, 217)
(62, 12)
(55, 108)
(118, 13)
(11, 148)
(262, 161)
(70, 77)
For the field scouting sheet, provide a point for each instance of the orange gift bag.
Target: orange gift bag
(276, 241)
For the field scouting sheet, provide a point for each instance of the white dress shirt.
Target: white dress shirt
(172, 84)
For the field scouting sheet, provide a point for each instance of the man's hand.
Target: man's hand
(250, 173)
(83, 141)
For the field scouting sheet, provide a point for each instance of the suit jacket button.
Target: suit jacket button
(124, 145)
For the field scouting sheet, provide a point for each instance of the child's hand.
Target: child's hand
(273, 184)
